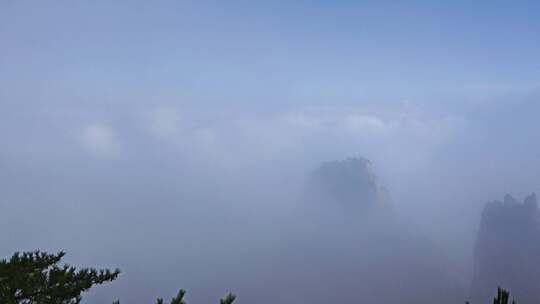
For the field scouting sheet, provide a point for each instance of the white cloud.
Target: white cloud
(361, 122)
(100, 140)
(302, 120)
(164, 122)
(401, 137)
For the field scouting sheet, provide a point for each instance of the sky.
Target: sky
(118, 116)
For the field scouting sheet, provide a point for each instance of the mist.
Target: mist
(181, 151)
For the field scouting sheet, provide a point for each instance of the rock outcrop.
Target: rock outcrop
(349, 184)
(353, 249)
(507, 251)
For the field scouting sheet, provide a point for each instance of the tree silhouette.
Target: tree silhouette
(36, 278)
(228, 299)
(502, 297)
(179, 299)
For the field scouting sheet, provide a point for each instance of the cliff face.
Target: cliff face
(507, 251)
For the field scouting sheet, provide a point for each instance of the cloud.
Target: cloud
(100, 140)
(364, 122)
(164, 122)
(302, 120)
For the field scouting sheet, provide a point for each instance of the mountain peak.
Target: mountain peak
(507, 249)
(350, 183)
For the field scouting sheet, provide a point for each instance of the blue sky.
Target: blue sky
(254, 53)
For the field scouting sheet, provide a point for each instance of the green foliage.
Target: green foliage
(179, 299)
(502, 297)
(36, 278)
(227, 299)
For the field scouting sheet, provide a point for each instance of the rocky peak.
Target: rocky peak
(350, 183)
(507, 251)
(531, 202)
